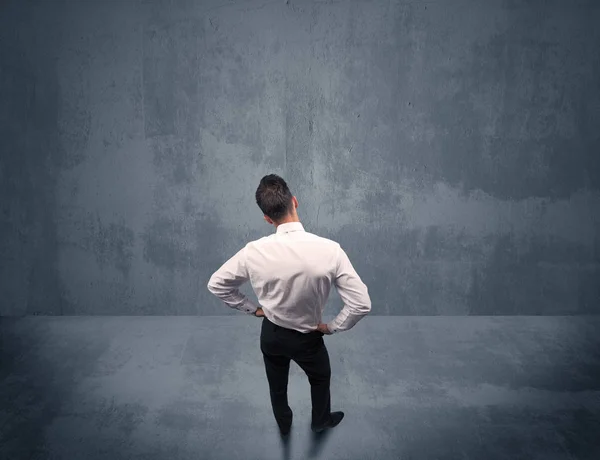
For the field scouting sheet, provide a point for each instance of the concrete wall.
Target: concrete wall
(452, 148)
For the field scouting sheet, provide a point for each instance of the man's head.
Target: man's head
(275, 200)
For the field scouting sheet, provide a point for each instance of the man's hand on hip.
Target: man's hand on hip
(323, 328)
(259, 312)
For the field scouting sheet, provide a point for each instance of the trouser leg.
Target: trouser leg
(315, 363)
(277, 367)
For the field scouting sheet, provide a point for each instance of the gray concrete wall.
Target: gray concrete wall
(452, 148)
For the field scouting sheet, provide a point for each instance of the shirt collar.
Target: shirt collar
(290, 227)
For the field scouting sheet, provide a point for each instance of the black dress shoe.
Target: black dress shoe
(334, 420)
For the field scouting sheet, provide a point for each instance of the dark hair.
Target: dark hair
(274, 198)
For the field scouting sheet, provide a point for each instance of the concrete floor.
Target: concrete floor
(195, 388)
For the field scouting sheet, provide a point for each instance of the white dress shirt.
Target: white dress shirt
(291, 272)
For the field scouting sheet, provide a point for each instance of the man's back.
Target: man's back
(291, 272)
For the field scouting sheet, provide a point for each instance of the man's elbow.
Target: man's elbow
(211, 286)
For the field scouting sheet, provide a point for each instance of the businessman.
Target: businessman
(291, 272)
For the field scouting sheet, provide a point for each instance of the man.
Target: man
(291, 272)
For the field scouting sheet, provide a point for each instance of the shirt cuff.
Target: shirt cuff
(248, 307)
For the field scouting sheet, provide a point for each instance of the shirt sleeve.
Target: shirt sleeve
(354, 294)
(224, 283)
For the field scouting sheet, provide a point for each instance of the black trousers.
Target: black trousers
(279, 345)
